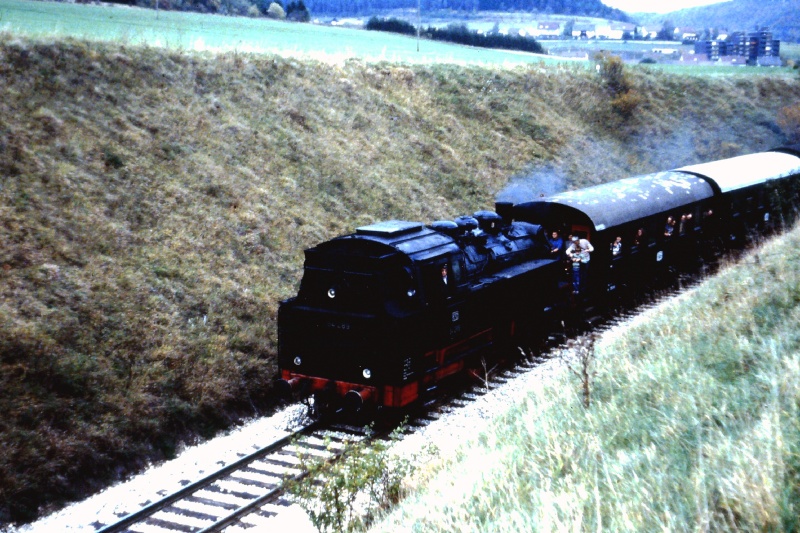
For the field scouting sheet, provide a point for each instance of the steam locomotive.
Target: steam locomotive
(385, 315)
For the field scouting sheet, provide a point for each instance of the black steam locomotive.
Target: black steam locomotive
(385, 314)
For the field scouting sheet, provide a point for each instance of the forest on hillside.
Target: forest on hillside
(589, 8)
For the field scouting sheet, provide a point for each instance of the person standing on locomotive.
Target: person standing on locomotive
(446, 288)
(580, 252)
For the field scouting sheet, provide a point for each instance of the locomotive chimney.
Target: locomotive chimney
(505, 210)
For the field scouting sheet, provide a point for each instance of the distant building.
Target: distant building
(584, 31)
(614, 30)
(667, 51)
(547, 30)
(757, 48)
(646, 33)
(737, 44)
(684, 35)
(710, 49)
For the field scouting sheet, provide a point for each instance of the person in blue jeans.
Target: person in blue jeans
(579, 252)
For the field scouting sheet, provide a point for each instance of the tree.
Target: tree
(667, 31)
(568, 27)
(298, 12)
(275, 11)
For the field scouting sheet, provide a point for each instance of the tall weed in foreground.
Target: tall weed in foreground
(694, 424)
(346, 494)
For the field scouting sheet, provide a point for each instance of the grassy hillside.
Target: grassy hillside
(693, 425)
(154, 206)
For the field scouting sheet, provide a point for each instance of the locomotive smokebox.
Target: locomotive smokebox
(505, 210)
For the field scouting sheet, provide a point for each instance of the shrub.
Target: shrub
(626, 103)
(612, 71)
(789, 122)
(624, 100)
(346, 494)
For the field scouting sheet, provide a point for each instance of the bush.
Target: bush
(624, 100)
(612, 70)
(626, 103)
(789, 122)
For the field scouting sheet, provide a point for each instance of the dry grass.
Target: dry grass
(154, 206)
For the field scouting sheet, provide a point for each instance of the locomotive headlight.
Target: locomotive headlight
(332, 293)
(367, 373)
(297, 361)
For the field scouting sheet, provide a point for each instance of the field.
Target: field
(193, 31)
(198, 32)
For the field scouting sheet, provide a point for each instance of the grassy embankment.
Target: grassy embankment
(154, 206)
(694, 425)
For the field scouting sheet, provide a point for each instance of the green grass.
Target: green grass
(694, 425)
(194, 31)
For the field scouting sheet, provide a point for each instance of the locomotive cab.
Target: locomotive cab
(356, 292)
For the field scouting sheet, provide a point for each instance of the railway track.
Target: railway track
(251, 489)
(244, 492)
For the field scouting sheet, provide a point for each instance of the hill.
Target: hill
(155, 204)
(781, 16)
(589, 8)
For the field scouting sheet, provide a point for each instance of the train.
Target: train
(386, 315)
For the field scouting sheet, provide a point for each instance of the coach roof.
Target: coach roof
(619, 202)
(746, 170)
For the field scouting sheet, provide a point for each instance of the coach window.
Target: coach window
(638, 240)
(669, 227)
(686, 223)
